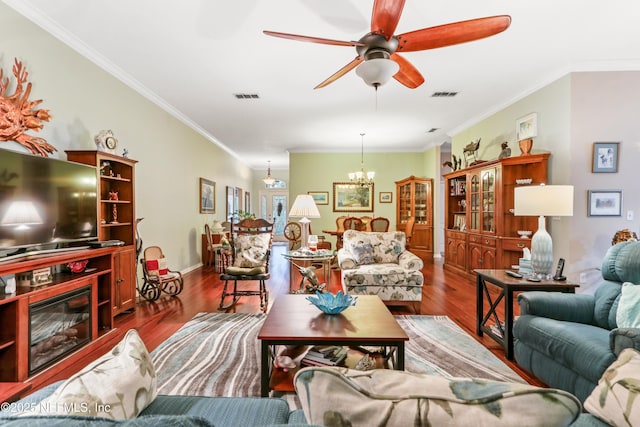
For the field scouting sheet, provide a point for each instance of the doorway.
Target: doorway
(274, 208)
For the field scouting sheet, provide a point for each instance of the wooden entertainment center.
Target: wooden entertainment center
(14, 308)
(106, 287)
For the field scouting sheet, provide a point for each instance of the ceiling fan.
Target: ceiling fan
(378, 51)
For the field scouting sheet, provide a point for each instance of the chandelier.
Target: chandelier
(269, 179)
(359, 177)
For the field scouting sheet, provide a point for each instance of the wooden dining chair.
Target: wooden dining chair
(379, 224)
(353, 223)
(340, 222)
(408, 230)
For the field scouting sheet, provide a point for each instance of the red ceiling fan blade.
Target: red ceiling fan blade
(408, 75)
(341, 72)
(451, 34)
(312, 39)
(385, 17)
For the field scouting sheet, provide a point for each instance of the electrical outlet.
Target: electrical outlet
(629, 215)
(583, 278)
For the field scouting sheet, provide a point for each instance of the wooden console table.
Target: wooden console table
(508, 287)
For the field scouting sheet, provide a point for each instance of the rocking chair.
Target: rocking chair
(250, 251)
(157, 277)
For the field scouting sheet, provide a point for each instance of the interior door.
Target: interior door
(274, 207)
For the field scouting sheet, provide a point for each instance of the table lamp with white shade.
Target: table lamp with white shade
(543, 200)
(304, 207)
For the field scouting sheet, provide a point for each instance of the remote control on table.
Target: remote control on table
(533, 279)
(513, 274)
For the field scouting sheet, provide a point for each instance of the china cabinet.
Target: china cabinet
(481, 231)
(414, 198)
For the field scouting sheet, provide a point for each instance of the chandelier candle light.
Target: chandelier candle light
(304, 207)
(360, 177)
(543, 200)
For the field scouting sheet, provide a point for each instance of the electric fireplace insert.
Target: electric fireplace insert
(57, 327)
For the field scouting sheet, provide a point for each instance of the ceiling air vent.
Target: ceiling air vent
(443, 94)
(246, 95)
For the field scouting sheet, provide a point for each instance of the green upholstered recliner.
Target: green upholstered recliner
(568, 340)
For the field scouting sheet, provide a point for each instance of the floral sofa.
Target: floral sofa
(339, 397)
(377, 263)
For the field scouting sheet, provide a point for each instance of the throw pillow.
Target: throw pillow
(614, 400)
(363, 253)
(628, 314)
(157, 267)
(340, 397)
(251, 249)
(118, 385)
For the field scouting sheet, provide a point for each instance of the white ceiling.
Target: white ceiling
(192, 56)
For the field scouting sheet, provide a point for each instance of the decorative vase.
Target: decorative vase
(525, 146)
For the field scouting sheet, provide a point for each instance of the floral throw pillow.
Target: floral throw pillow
(615, 399)
(118, 385)
(251, 250)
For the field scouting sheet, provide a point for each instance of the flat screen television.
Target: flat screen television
(45, 203)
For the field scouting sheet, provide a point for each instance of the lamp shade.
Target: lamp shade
(304, 206)
(377, 71)
(543, 200)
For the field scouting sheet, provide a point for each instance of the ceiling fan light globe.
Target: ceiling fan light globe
(376, 72)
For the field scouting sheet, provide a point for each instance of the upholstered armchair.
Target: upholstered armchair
(377, 263)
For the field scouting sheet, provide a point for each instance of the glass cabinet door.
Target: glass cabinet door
(404, 202)
(474, 209)
(488, 200)
(421, 203)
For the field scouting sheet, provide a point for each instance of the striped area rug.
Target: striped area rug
(218, 354)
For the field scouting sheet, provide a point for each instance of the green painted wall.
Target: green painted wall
(318, 172)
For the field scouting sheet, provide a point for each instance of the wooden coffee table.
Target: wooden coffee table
(294, 321)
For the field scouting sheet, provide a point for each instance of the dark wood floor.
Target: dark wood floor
(444, 293)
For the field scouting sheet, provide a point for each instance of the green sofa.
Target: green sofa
(166, 410)
(568, 340)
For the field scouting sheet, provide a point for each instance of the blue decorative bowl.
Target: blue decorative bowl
(332, 304)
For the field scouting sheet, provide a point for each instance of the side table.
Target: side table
(305, 259)
(502, 332)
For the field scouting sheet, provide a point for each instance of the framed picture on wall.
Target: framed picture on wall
(527, 127)
(247, 201)
(605, 157)
(349, 197)
(386, 197)
(231, 208)
(605, 203)
(207, 196)
(320, 197)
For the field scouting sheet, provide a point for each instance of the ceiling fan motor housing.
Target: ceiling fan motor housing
(377, 46)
